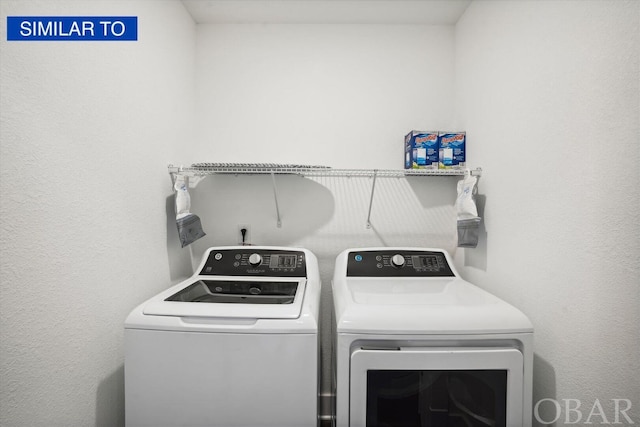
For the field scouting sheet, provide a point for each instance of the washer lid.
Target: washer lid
(230, 298)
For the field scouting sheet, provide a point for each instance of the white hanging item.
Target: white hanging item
(467, 212)
(189, 225)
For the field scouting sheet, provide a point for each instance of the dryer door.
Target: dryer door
(440, 387)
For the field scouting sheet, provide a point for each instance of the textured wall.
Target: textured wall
(86, 132)
(549, 93)
(341, 95)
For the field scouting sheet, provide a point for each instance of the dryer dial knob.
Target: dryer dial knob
(397, 260)
(255, 259)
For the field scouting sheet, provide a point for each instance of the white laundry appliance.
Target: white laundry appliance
(236, 344)
(416, 345)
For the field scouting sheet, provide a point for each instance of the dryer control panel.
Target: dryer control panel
(398, 263)
(255, 262)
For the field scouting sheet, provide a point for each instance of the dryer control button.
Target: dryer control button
(255, 259)
(397, 260)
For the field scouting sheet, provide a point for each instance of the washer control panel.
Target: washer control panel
(255, 262)
(398, 263)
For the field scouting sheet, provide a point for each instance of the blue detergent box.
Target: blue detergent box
(452, 150)
(421, 150)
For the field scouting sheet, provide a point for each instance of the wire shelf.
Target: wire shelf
(205, 169)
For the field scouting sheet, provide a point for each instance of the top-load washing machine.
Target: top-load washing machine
(236, 344)
(416, 345)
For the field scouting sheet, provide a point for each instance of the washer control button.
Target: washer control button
(397, 260)
(218, 256)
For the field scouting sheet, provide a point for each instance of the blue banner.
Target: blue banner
(72, 28)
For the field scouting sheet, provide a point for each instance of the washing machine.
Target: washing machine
(416, 345)
(236, 344)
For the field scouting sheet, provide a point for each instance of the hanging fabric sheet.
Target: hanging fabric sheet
(467, 212)
(189, 225)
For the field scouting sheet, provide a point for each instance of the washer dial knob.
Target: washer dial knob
(397, 260)
(255, 259)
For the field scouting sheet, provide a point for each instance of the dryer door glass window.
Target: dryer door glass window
(424, 398)
(439, 387)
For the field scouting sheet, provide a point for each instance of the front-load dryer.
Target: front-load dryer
(236, 344)
(416, 345)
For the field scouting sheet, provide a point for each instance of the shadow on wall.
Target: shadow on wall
(477, 257)
(430, 191)
(544, 391)
(225, 201)
(110, 400)
(179, 258)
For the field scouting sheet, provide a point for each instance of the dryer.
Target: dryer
(236, 344)
(416, 345)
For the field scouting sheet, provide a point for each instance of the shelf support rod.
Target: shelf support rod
(275, 197)
(373, 189)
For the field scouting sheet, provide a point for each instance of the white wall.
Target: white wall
(87, 129)
(340, 95)
(549, 94)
